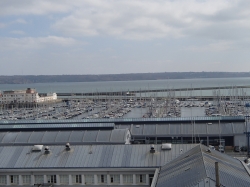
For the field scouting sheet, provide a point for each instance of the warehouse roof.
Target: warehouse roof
(62, 137)
(56, 126)
(89, 156)
(196, 168)
(126, 120)
(186, 129)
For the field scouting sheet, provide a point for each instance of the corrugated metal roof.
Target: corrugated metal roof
(88, 156)
(186, 129)
(57, 137)
(117, 120)
(196, 168)
(58, 126)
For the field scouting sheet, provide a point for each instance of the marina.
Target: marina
(175, 100)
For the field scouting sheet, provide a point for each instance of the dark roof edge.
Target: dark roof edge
(245, 166)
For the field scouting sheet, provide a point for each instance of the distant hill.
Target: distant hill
(21, 79)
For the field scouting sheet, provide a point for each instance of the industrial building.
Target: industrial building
(143, 152)
(228, 131)
(196, 168)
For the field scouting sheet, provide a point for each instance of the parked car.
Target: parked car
(221, 148)
(236, 148)
(211, 147)
(243, 148)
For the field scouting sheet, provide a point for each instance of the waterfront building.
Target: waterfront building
(103, 165)
(120, 152)
(25, 96)
(228, 131)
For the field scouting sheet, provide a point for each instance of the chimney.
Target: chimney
(217, 177)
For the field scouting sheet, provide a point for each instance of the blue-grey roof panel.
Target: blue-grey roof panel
(104, 136)
(76, 136)
(36, 136)
(56, 125)
(10, 138)
(87, 156)
(90, 136)
(2, 134)
(118, 135)
(197, 165)
(50, 136)
(63, 136)
(117, 120)
(23, 137)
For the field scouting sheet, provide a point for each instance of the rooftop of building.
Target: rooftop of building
(89, 156)
(133, 120)
(76, 137)
(196, 168)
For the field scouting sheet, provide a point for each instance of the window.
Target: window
(26, 179)
(102, 179)
(76, 179)
(2, 179)
(64, 179)
(39, 179)
(128, 179)
(14, 179)
(51, 178)
(140, 179)
(89, 179)
(115, 179)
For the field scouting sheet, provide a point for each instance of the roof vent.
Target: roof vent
(152, 149)
(47, 150)
(67, 147)
(37, 148)
(166, 146)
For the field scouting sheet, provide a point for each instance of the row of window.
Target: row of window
(76, 179)
(32, 95)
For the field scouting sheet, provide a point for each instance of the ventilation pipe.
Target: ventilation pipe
(152, 149)
(47, 150)
(67, 147)
(217, 174)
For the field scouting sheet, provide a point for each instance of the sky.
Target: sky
(64, 37)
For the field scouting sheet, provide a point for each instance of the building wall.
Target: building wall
(28, 96)
(240, 140)
(138, 177)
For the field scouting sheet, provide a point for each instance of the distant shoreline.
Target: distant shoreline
(26, 79)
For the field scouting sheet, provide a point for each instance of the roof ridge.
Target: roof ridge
(202, 156)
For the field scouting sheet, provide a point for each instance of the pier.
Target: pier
(134, 92)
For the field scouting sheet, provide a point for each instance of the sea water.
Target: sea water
(126, 86)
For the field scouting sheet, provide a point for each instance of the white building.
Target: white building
(25, 96)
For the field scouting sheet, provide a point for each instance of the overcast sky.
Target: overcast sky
(123, 36)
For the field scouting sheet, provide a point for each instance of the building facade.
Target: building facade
(25, 96)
